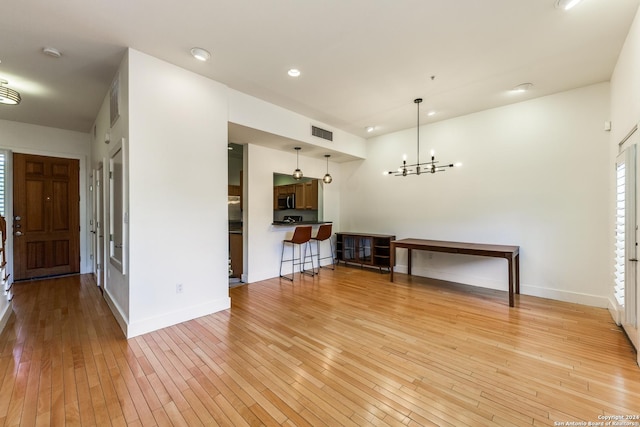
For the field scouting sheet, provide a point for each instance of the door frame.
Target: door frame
(97, 224)
(628, 152)
(85, 203)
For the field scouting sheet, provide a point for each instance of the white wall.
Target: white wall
(255, 113)
(533, 176)
(108, 138)
(177, 194)
(625, 114)
(31, 139)
(263, 240)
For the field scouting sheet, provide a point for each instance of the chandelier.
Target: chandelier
(418, 168)
(7, 95)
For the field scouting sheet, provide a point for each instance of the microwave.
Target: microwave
(287, 201)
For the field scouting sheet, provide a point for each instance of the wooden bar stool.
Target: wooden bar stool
(324, 233)
(301, 237)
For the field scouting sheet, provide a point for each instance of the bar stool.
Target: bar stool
(301, 237)
(324, 233)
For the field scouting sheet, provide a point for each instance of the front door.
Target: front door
(46, 216)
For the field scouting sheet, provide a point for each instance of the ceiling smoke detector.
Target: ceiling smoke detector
(52, 52)
(566, 4)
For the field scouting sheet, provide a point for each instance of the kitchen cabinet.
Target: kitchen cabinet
(311, 194)
(306, 194)
(235, 253)
(299, 190)
(365, 249)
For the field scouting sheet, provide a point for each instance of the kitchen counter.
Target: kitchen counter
(301, 222)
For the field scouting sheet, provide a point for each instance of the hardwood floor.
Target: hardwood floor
(343, 349)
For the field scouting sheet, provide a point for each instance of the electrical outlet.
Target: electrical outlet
(179, 288)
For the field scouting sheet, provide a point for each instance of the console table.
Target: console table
(365, 249)
(510, 253)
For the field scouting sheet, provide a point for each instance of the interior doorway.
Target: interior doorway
(97, 224)
(235, 214)
(46, 196)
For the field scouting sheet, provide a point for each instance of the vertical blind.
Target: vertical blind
(620, 255)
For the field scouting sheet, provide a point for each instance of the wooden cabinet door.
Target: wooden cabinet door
(311, 195)
(46, 216)
(299, 190)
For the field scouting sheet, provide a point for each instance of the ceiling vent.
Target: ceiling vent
(321, 133)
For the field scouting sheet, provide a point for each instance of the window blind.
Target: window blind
(620, 255)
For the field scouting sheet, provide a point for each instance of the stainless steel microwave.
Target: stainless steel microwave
(287, 201)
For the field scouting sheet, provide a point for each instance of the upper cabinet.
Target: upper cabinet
(311, 194)
(306, 194)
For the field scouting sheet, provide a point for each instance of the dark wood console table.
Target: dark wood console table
(510, 253)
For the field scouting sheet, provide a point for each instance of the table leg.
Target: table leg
(511, 284)
(518, 273)
(409, 261)
(392, 261)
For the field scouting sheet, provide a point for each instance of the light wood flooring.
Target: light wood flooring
(346, 348)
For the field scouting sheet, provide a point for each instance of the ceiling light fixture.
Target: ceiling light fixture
(297, 174)
(200, 54)
(429, 167)
(566, 4)
(370, 128)
(52, 52)
(8, 96)
(327, 178)
(294, 72)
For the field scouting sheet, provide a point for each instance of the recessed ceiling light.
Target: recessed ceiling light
(566, 4)
(294, 72)
(52, 52)
(200, 54)
(523, 87)
(431, 113)
(370, 128)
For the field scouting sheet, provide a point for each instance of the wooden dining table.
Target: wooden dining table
(508, 252)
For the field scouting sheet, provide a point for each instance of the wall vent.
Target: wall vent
(321, 133)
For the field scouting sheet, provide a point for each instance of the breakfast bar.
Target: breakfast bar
(510, 253)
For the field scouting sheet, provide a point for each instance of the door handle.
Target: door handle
(633, 259)
(18, 233)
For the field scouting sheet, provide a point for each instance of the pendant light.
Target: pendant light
(297, 174)
(8, 96)
(327, 178)
(429, 167)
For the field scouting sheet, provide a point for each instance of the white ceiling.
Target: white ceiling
(362, 61)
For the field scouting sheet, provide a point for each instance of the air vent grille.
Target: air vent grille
(321, 133)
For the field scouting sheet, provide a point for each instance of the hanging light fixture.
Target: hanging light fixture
(7, 95)
(327, 178)
(297, 174)
(424, 167)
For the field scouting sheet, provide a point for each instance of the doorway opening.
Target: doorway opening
(235, 213)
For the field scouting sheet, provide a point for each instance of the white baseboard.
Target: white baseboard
(169, 319)
(566, 296)
(4, 317)
(117, 312)
(616, 313)
(525, 289)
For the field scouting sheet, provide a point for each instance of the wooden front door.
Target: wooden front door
(46, 216)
